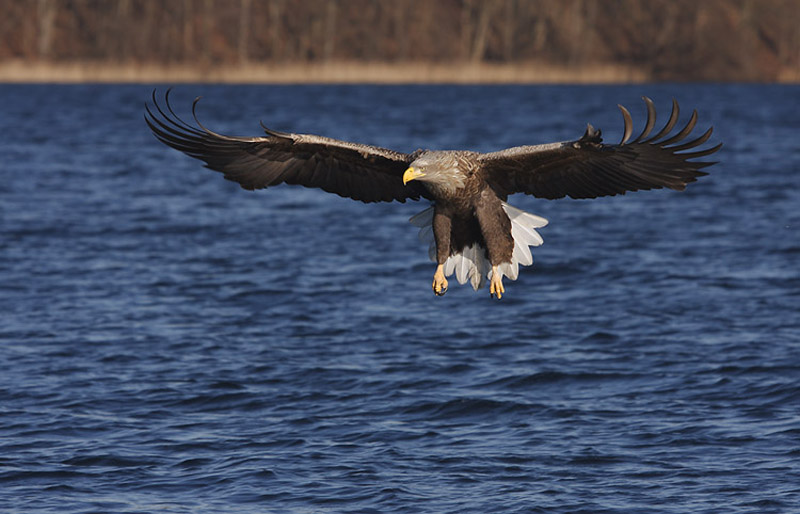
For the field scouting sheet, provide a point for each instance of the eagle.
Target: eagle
(472, 230)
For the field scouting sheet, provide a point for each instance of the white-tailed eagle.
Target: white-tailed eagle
(472, 231)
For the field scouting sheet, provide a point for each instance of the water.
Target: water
(172, 343)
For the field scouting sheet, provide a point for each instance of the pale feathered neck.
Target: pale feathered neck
(443, 173)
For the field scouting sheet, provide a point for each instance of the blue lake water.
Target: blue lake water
(172, 343)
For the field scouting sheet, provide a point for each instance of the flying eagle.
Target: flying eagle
(472, 231)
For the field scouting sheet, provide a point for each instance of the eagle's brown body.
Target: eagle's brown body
(476, 234)
(468, 214)
(477, 217)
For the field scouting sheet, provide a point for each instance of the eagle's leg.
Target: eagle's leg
(496, 287)
(439, 282)
(496, 230)
(441, 233)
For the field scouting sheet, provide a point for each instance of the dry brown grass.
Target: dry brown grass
(337, 73)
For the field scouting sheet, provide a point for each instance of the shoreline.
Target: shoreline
(322, 73)
(78, 72)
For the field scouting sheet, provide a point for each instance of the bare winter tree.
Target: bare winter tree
(244, 29)
(666, 39)
(46, 16)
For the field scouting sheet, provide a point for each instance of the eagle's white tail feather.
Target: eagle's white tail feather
(462, 265)
(449, 264)
(481, 271)
(522, 254)
(472, 263)
(523, 231)
(508, 269)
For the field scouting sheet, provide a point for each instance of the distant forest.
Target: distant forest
(667, 39)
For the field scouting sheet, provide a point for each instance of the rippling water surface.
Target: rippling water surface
(172, 343)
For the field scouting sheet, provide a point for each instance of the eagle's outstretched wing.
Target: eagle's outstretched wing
(588, 168)
(361, 172)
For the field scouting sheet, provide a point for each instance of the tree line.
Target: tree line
(668, 39)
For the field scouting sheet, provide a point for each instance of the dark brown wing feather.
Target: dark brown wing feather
(587, 168)
(361, 172)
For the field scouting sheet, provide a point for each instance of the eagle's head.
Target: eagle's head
(440, 170)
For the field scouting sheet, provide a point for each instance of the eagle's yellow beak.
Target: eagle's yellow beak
(411, 174)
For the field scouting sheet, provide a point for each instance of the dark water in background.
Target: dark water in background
(172, 343)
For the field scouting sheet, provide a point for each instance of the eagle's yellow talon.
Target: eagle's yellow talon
(439, 282)
(496, 288)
